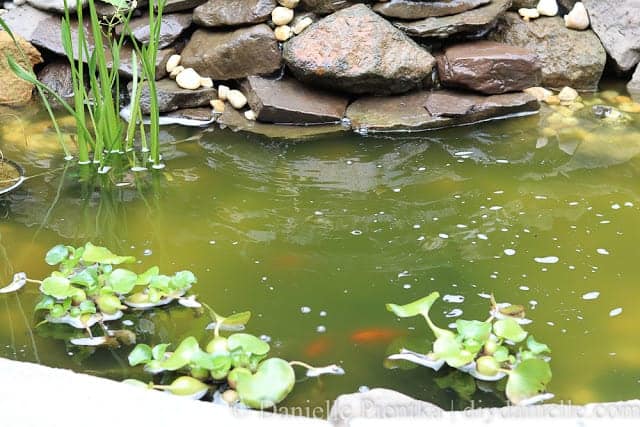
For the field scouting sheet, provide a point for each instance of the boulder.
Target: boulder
(216, 13)
(24, 20)
(473, 23)
(171, 97)
(289, 101)
(528, 4)
(411, 9)
(173, 24)
(617, 24)
(57, 76)
(568, 57)
(55, 5)
(357, 51)
(425, 110)
(196, 114)
(14, 90)
(180, 5)
(489, 67)
(634, 84)
(233, 54)
(325, 7)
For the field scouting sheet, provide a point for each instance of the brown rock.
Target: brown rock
(430, 110)
(473, 23)
(173, 24)
(489, 67)
(325, 7)
(179, 5)
(568, 57)
(171, 97)
(199, 114)
(14, 90)
(289, 101)
(358, 51)
(233, 55)
(216, 13)
(411, 9)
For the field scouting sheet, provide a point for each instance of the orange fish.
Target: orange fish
(375, 335)
(318, 347)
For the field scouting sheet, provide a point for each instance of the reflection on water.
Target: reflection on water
(315, 237)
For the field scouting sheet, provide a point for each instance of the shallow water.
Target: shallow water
(315, 237)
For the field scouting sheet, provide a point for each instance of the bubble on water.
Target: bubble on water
(547, 259)
(591, 295)
(318, 213)
(420, 239)
(615, 206)
(551, 324)
(509, 252)
(422, 169)
(456, 312)
(463, 153)
(212, 242)
(602, 251)
(363, 389)
(482, 236)
(502, 161)
(457, 299)
(416, 226)
(349, 162)
(461, 226)
(127, 322)
(443, 236)
(305, 310)
(615, 312)
(147, 252)
(485, 296)
(406, 286)
(356, 232)
(404, 273)
(264, 278)
(495, 208)
(323, 313)
(396, 190)
(265, 338)
(321, 329)
(628, 204)
(524, 288)
(573, 203)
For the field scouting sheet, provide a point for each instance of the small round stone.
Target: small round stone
(188, 79)
(217, 105)
(291, 4)
(547, 7)
(528, 13)
(173, 62)
(301, 25)
(578, 18)
(283, 33)
(568, 95)
(223, 92)
(176, 71)
(281, 15)
(236, 99)
(206, 82)
(250, 115)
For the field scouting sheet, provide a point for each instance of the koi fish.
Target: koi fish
(318, 347)
(375, 335)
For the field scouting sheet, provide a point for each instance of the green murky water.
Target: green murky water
(341, 225)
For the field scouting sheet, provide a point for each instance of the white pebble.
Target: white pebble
(578, 18)
(281, 15)
(223, 92)
(283, 33)
(217, 105)
(547, 7)
(206, 82)
(236, 99)
(301, 25)
(291, 4)
(176, 71)
(528, 13)
(188, 79)
(173, 62)
(250, 115)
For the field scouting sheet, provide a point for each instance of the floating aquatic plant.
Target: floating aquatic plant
(487, 350)
(91, 287)
(237, 366)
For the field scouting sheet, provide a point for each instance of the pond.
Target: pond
(315, 236)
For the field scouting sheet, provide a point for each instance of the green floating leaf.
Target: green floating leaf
(474, 330)
(450, 350)
(501, 354)
(136, 383)
(145, 278)
(56, 255)
(528, 379)
(83, 278)
(238, 319)
(422, 307)
(182, 280)
(537, 347)
(58, 287)
(186, 386)
(509, 329)
(46, 303)
(122, 280)
(87, 307)
(272, 382)
(159, 351)
(183, 355)
(140, 354)
(101, 255)
(248, 343)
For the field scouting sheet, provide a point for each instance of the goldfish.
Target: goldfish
(375, 335)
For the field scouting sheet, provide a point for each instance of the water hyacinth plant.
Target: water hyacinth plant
(489, 350)
(237, 367)
(94, 57)
(91, 287)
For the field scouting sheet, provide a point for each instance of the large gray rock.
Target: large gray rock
(179, 5)
(55, 5)
(634, 84)
(233, 55)
(425, 110)
(568, 57)
(171, 97)
(489, 67)
(411, 9)
(289, 101)
(24, 20)
(517, 4)
(325, 7)
(473, 23)
(617, 24)
(358, 51)
(173, 24)
(216, 13)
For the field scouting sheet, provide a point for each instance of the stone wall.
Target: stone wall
(373, 65)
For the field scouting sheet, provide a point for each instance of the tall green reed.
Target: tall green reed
(100, 131)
